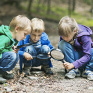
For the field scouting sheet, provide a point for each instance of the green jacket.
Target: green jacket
(6, 40)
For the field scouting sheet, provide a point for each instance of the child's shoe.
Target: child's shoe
(26, 70)
(46, 69)
(88, 74)
(2, 80)
(72, 73)
(6, 75)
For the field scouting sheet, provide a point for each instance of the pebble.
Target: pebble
(8, 89)
(31, 77)
(90, 88)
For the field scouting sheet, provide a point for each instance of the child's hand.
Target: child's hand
(68, 65)
(15, 50)
(27, 56)
(48, 54)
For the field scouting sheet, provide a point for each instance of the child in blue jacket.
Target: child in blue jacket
(40, 44)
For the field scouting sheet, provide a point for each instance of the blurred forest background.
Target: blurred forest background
(48, 10)
(51, 11)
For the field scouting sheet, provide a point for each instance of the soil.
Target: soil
(38, 82)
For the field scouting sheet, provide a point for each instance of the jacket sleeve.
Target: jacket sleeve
(21, 51)
(86, 46)
(45, 40)
(49, 44)
(3, 43)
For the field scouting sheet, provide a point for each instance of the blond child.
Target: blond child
(40, 44)
(75, 43)
(19, 27)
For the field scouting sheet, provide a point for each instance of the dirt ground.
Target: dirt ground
(38, 82)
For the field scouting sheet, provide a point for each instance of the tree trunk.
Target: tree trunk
(38, 5)
(48, 6)
(91, 10)
(29, 7)
(74, 5)
(69, 7)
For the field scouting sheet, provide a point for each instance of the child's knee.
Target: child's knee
(45, 49)
(63, 45)
(13, 56)
(29, 49)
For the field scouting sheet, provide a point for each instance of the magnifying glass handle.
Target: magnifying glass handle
(34, 56)
(63, 61)
(66, 71)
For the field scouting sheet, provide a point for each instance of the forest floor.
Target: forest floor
(38, 82)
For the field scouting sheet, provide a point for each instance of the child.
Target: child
(19, 27)
(75, 43)
(40, 44)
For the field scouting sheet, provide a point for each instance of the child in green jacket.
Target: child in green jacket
(19, 27)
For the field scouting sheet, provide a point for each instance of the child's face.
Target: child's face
(67, 39)
(20, 35)
(35, 36)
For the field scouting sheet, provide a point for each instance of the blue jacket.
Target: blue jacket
(44, 41)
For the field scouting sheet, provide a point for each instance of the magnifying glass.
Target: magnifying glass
(56, 54)
(24, 45)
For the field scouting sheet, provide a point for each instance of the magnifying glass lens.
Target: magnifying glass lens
(58, 55)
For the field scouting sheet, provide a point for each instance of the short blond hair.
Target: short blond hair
(66, 26)
(37, 25)
(21, 21)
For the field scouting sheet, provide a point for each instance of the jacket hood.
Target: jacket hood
(4, 30)
(84, 30)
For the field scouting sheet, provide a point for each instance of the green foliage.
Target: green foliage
(83, 20)
(87, 1)
(57, 13)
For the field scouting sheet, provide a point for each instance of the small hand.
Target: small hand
(27, 56)
(48, 54)
(68, 65)
(15, 50)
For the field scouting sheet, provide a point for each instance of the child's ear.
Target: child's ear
(16, 28)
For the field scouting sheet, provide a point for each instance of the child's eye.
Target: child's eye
(39, 35)
(33, 34)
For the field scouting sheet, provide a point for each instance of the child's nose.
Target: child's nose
(36, 37)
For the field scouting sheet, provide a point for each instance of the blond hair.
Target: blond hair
(37, 25)
(66, 26)
(21, 21)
